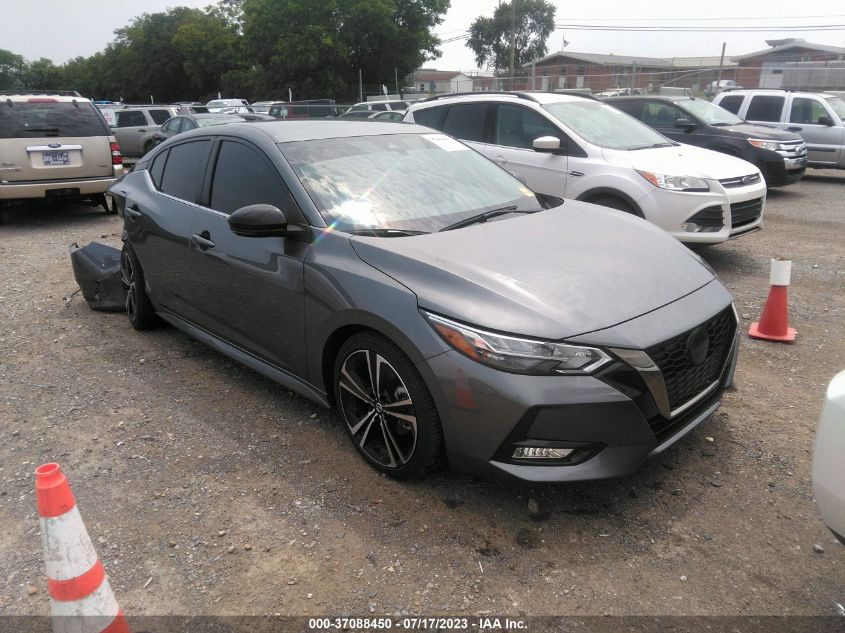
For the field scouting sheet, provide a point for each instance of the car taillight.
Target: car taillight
(116, 158)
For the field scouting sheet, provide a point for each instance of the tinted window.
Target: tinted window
(806, 111)
(185, 169)
(634, 108)
(430, 117)
(22, 119)
(159, 116)
(157, 168)
(732, 103)
(765, 108)
(657, 114)
(466, 121)
(243, 176)
(518, 127)
(173, 125)
(130, 118)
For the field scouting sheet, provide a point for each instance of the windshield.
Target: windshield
(710, 113)
(408, 182)
(605, 126)
(837, 105)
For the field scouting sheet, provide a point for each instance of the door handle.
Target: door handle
(501, 159)
(203, 240)
(794, 129)
(139, 131)
(133, 211)
(575, 173)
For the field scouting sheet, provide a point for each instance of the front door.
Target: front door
(248, 290)
(514, 131)
(824, 142)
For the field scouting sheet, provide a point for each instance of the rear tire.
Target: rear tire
(139, 308)
(386, 407)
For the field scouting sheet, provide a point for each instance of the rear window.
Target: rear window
(185, 169)
(430, 117)
(22, 119)
(765, 108)
(130, 118)
(466, 121)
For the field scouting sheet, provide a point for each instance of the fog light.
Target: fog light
(532, 452)
(692, 227)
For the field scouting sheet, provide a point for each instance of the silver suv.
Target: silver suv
(55, 145)
(818, 117)
(134, 127)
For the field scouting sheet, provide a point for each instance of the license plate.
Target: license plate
(55, 158)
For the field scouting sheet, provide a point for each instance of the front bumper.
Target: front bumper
(610, 419)
(779, 171)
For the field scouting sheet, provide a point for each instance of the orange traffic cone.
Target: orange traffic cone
(81, 600)
(774, 323)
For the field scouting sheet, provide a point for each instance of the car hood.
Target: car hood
(759, 131)
(554, 274)
(682, 160)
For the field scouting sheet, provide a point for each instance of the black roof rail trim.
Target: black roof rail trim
(57, 93)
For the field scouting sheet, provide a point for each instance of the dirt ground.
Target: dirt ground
(210, 490)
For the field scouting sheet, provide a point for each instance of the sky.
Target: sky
(60, 29)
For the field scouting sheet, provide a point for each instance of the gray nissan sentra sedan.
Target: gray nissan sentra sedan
(400, 276)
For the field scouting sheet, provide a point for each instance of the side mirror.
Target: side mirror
(685, 124)
(262, 220)
(547, 144)
(826, 120)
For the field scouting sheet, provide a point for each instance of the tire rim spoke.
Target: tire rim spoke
(372, 393)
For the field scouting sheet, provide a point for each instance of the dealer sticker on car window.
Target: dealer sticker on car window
(444, 142)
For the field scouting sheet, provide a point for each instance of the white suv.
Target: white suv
(55, 146)
(573, 146)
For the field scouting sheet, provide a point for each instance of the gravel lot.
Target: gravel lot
(209, 490)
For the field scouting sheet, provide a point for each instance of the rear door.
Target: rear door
(248, 290)
(46, 139)
(766, 108)
(158, 219)
(468, 122)
(515, 129)
(130, 127)
(824, 142)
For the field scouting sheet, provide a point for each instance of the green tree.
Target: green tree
(42, 74)
(528, 28)
(12, 68)
(317, 47)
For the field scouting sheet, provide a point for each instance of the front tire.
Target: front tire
(386, 407)
(139, 308)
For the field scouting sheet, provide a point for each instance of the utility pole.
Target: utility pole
(396, 76)
(721, 63)
(513, 38)
(360, 86)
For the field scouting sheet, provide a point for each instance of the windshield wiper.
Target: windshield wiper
(636, 147)
(385, 232)
(487, 215)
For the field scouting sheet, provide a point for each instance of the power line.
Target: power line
(702, 29)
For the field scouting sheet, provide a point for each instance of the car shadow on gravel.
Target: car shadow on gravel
(730, 261)
(54, 214)
(825, 178)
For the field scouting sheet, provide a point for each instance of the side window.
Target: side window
(185, 169)
(517, 126)
(806, 110)
(160, 116)
(634, 108)
(244, 176)
(657, 114)
(173, 125)
(187, 124)
(430, 117)
(130, 118)
(732, 103)
(765, 108)
(466, 121)
(157, 168)
(380, 107)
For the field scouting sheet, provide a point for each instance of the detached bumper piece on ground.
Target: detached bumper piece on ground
(97, 271)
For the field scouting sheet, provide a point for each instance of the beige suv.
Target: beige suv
(55, 145)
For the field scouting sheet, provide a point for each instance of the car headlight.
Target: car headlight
(518, 355)
(675, 183)
(763, 144)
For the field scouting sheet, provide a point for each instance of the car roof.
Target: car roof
(745, 91)
(19, 96)
(309, 130)
(540, 98)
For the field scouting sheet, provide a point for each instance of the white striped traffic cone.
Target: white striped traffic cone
(81, 600)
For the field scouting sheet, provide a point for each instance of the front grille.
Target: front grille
(740, 181)
(709, 217)
(793, 149)
(684, 379)
(745, 212)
